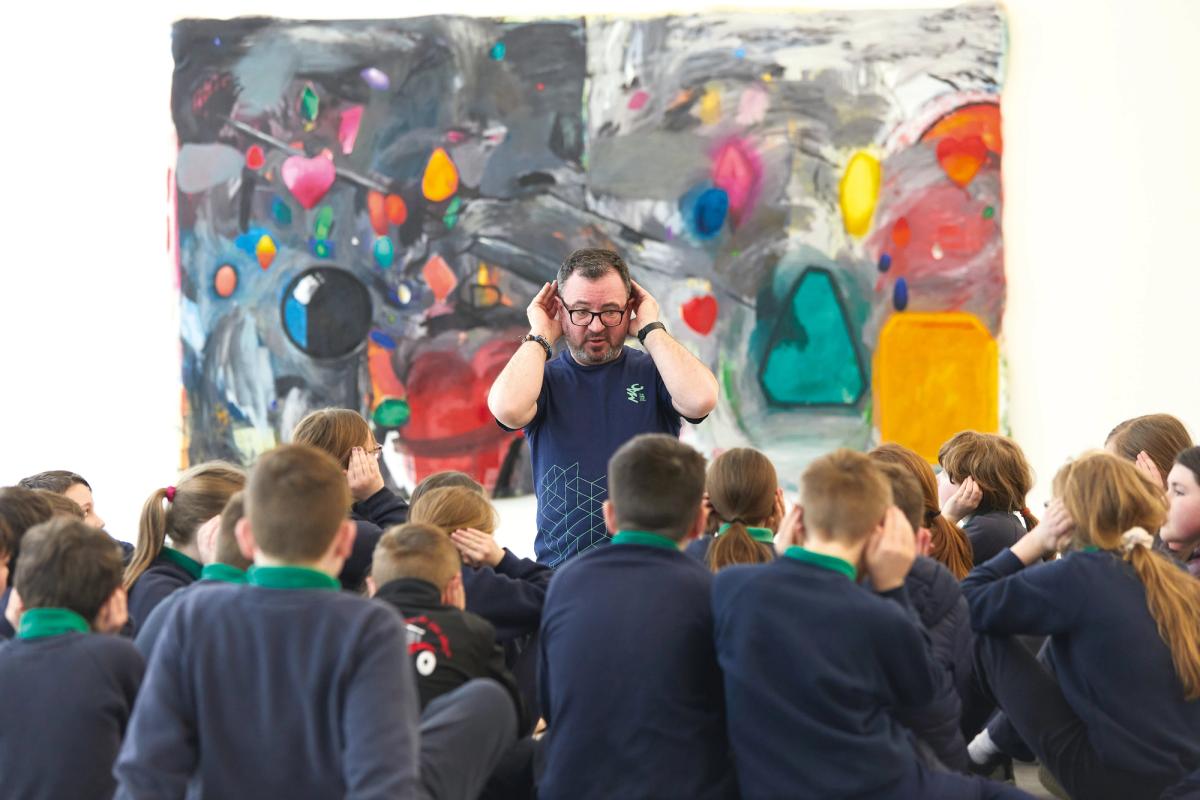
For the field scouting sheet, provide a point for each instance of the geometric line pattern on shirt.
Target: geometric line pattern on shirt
(571, 512)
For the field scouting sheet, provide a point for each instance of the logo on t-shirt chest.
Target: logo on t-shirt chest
(636, 393)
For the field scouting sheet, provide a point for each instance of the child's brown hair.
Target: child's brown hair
(61, 505)
(1106, 498)
(1162, 436)
(741, 485)
(443, 480)
(20, 510)
(844, 496)
(997, 465)
(67, 564)
(452, 508)
(948, 543)
(337, 431)
(227, 550)
(415, 550)
(198, 495)
(297, 499)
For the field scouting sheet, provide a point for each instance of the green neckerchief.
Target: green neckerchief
(646, 538)
(823, 561)
(223, 573)
(189, 565)
(764, 535)
(37, 623)
(291, 578)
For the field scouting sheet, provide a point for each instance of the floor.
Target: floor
(1027, 779)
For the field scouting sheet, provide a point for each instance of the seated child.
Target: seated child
(346, 435)
(20, 510)
(1151, 442)
(630, 685)
(745, 499)
(418, 570)
(942, 611)
(947, 544)
(223, 560)
(826, 725)
(68, 689)
(983, 485)
(71, 485)
(156, 570)
(289, 687)
(1181, 534)
(1119, 715)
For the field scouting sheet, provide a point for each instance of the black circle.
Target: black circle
(326, 312)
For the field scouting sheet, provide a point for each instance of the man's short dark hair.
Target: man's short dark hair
(594, 263)
(655, 484)
(68, 564)
(55, 480)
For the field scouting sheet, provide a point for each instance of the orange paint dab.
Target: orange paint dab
(440, 278)
(397, 211)
(901, 233)
(226, 280)
(441, 177)
(377, 213)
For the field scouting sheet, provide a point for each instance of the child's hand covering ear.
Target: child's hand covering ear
(890, 552)
(477, 548)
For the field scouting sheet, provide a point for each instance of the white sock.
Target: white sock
(982, 748)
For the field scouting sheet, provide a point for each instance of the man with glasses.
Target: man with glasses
(577, 408)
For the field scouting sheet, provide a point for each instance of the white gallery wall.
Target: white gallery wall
(1102, 208)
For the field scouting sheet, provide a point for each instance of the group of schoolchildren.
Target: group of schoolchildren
(302, 631)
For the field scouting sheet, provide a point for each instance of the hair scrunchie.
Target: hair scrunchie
(170, 493)
(1135, 537)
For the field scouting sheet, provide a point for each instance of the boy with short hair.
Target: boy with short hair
(223, 561)
(67, 693)
(630, 685)
(289, 687)
(827, 727)
(417, 570)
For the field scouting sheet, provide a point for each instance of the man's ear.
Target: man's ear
(245, 538)
(113, 614)
(610, 518)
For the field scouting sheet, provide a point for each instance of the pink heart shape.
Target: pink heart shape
(308, 179)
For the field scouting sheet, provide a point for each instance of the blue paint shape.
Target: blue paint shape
(248, 241)
(885, 262)
(704, 210)
(385, 252)
(281, 211)
(811, 359)
(739, 53)
(295, 319)
(321, 248)
(498, 51)
(383, 340)
(900, 294)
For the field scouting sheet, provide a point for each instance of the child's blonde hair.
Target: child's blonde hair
(453, 508)
(844, 496)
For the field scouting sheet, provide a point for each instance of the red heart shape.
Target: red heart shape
(961, 158)
(700, 313)
(308, 179)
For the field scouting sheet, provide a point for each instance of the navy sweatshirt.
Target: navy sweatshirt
(992, 532)
(629, 680)
(63, 711)
(814, 666)
(212, 575)
(371, 518)
(284, 688)
(512, 604)
(169, 572)
(1114, 668)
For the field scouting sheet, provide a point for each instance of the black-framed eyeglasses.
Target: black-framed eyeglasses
(609, 318)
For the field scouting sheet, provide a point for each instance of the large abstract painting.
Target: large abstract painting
(365, 208)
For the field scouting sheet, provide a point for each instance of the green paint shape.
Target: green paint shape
(310, 104)
(283, 214)
(989, 212)
(498, 51)
(385, 252)
(450, 218)
(324, 223)
(392, 413)
(813, 361)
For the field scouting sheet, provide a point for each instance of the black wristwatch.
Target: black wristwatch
(644, 332)
(532, 337)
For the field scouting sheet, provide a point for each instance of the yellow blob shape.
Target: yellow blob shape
(859, 192)
(441, 177)
(265, 251)
(935, 374)
(710, 107)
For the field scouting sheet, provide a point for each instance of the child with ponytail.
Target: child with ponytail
(1114, 713)
(746, 504)
(982, 487)
(178, 511)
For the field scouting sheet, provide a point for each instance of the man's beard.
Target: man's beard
(582, 356)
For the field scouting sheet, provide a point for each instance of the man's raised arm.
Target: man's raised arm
(514, 394)
(692, 385)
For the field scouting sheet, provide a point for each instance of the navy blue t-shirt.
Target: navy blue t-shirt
(584, 413)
